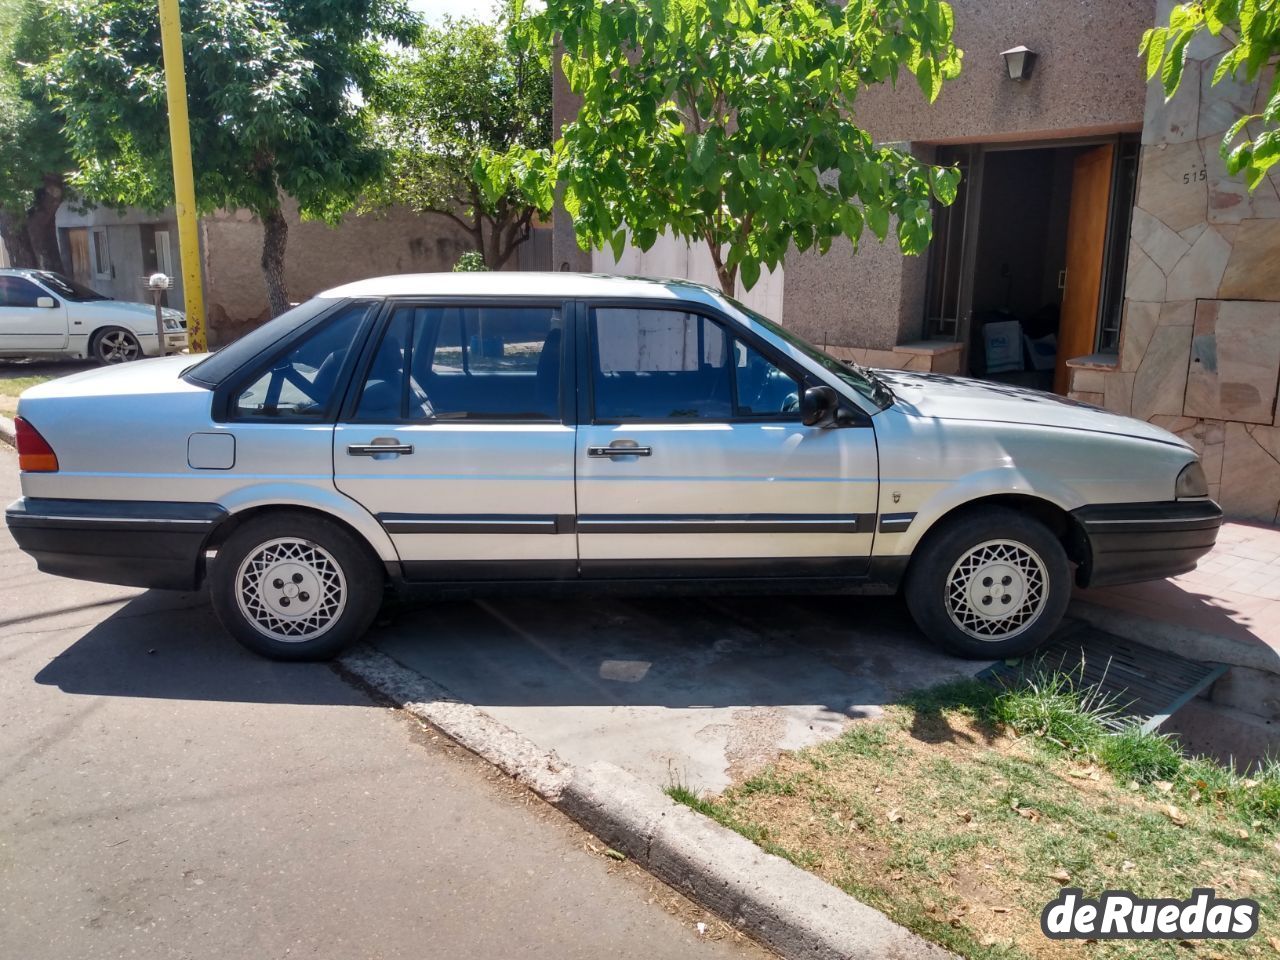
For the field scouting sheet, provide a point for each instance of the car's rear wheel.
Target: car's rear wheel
(989, 583)
(115, 345)
(292, 586)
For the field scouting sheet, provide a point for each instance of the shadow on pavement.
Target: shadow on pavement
(169, 646)
(838, 654)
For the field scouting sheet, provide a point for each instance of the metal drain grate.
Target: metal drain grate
(1150, 685)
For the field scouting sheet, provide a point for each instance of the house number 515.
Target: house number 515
(1191, 176)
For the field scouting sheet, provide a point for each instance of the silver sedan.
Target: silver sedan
(448, 434)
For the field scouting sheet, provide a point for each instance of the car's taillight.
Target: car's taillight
(34, 453)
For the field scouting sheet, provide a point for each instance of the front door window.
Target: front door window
(673, 365)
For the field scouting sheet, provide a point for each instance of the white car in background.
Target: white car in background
(551, 432)
(46, 314)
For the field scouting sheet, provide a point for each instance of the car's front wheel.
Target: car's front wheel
(293, 586)
(989, 583)
(115, 345)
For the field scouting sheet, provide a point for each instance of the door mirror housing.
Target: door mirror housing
(46, 303)
(818, 406)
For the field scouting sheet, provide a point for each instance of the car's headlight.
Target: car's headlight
(1191, 482)
(174, 322)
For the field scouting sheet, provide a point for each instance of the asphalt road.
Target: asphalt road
(164, 794)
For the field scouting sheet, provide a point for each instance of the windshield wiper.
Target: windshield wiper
(883, 394)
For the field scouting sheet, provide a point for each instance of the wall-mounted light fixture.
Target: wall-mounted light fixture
(1019, 62)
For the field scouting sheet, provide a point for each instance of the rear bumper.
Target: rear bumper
(1129, 542)
(137, 543)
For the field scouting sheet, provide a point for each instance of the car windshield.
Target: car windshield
(855, 375)
(69, 289)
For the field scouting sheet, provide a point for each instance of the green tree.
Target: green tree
(1252, 145)
(277, 92)
(34, 161)
(463, 90)
(732, 122)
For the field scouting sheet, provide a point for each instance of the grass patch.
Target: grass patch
(963, 811)
(1055, 708)
(12, 387)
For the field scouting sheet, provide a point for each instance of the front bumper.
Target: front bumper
(137, 543)
(1130, 542)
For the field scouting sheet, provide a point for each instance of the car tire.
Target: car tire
(114, 345)
(293, 586)
(989, 583)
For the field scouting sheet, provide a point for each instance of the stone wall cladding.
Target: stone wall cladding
(1200, 344)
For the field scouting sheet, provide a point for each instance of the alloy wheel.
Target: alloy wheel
(118, 346)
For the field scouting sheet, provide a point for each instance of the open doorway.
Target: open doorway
(1027, 268)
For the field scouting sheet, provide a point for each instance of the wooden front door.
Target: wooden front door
(78, 244)
(1086, 244)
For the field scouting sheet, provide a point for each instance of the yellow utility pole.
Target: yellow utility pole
(184, 185)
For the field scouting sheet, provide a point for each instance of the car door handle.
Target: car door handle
(612, 451)
(380, 445)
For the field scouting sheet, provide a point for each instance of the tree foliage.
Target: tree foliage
(34, 159)
(276, 92)
(462, 90)
(732, 122)
(1252, 145)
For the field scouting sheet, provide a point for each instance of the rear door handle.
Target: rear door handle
(612, 451)
(379, 446)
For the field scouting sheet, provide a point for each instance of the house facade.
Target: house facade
(114, 252)
(1097, 249)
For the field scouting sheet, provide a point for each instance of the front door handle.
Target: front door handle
(619, 451)
(379, 446)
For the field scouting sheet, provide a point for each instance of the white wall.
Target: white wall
(671, 257)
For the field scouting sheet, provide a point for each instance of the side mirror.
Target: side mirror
(46, 303)
(818, 406)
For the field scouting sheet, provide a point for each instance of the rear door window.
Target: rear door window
(466, 363)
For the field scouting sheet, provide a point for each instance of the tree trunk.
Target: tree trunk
(728, 277)
(515, 231)
(42, 225)
(17, 242)
(275, 236)
(493, 248)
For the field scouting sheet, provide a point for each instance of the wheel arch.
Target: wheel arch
(384, 559)
(1049, 514)
(103, 326)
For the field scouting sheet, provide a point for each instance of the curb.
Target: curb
(775, 902)
(8, 432)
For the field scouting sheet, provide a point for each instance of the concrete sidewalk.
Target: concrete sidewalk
(1227, 610)
(1233, 594)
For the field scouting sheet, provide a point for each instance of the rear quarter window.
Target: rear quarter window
(218, 367)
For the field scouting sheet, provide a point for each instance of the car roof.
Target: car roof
(525, 284)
